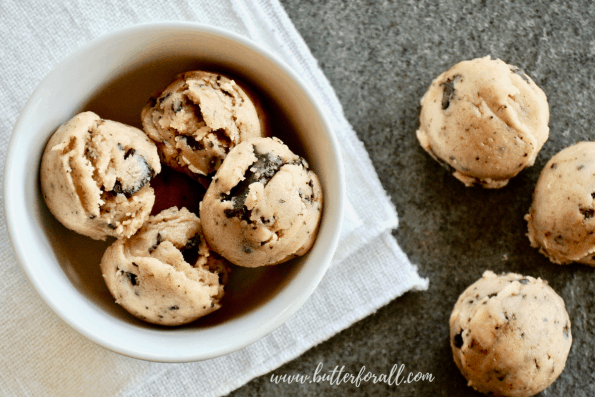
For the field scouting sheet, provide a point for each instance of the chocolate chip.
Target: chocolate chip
(458, 340)
(129, 152)
(146, 176)
(261, 171)
(492, 295)
(554, 166)
(190, 250)
(580, 167)
(192, 143)
(154, 247)
(163, 98)
(524, 281)
(177, 106)
(566, 331)
(111, 226)
(174, 307)
(131, 277)
(518, 71)
(587, 212)
(92, 217)
(247, 249)
(449, 90)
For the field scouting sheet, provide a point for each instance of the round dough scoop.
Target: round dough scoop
(166, 274)
(484, 121)
(263, 206)
(198, 118)
(510, 335)
(95, 176)
(561, 219)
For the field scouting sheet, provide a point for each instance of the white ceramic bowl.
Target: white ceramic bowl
(114, 76)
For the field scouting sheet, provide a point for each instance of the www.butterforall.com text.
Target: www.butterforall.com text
(338, 376)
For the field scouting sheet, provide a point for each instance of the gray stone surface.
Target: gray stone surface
(380, 57)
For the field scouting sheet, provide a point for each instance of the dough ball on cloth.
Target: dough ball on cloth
(95, 176)
(484, 121)
(263, 206)
(510, 335)
(198, 118)
(561, 219)
(166, 273)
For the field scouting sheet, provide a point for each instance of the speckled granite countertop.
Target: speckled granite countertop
(381, 57)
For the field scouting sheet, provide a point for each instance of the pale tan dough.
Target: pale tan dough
(510, 335)
(484, 120)
(198, 118)
(166, 274)
(263, 206)
(561, 219)
(95, 176)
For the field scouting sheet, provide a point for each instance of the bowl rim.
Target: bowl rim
(11, 196)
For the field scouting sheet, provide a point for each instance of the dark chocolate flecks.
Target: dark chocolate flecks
(190, 250)
(174, 307)
(261, 171)
(157, 242)
(192, 143)
(131, 277)
(129, 152)
(163, 97)
(177, 106)
(524, 281)
(520, 72)
(588, 213)
(148, 173)
(449, 90)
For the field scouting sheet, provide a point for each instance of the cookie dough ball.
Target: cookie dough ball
(95, 176)
(198, 118)
(561, 219)
(166, 274)
(263, 206)
(510, 335)
(484, 121)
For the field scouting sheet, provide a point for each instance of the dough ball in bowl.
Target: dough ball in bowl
(198, 118)
(561, 218)
(95, 176)
(166, 273)
(510, 335)
(484, 120)
(263, 206)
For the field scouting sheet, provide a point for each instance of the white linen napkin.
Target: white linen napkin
(42, 356)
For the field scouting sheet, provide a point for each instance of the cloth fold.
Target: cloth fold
(42, 356)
